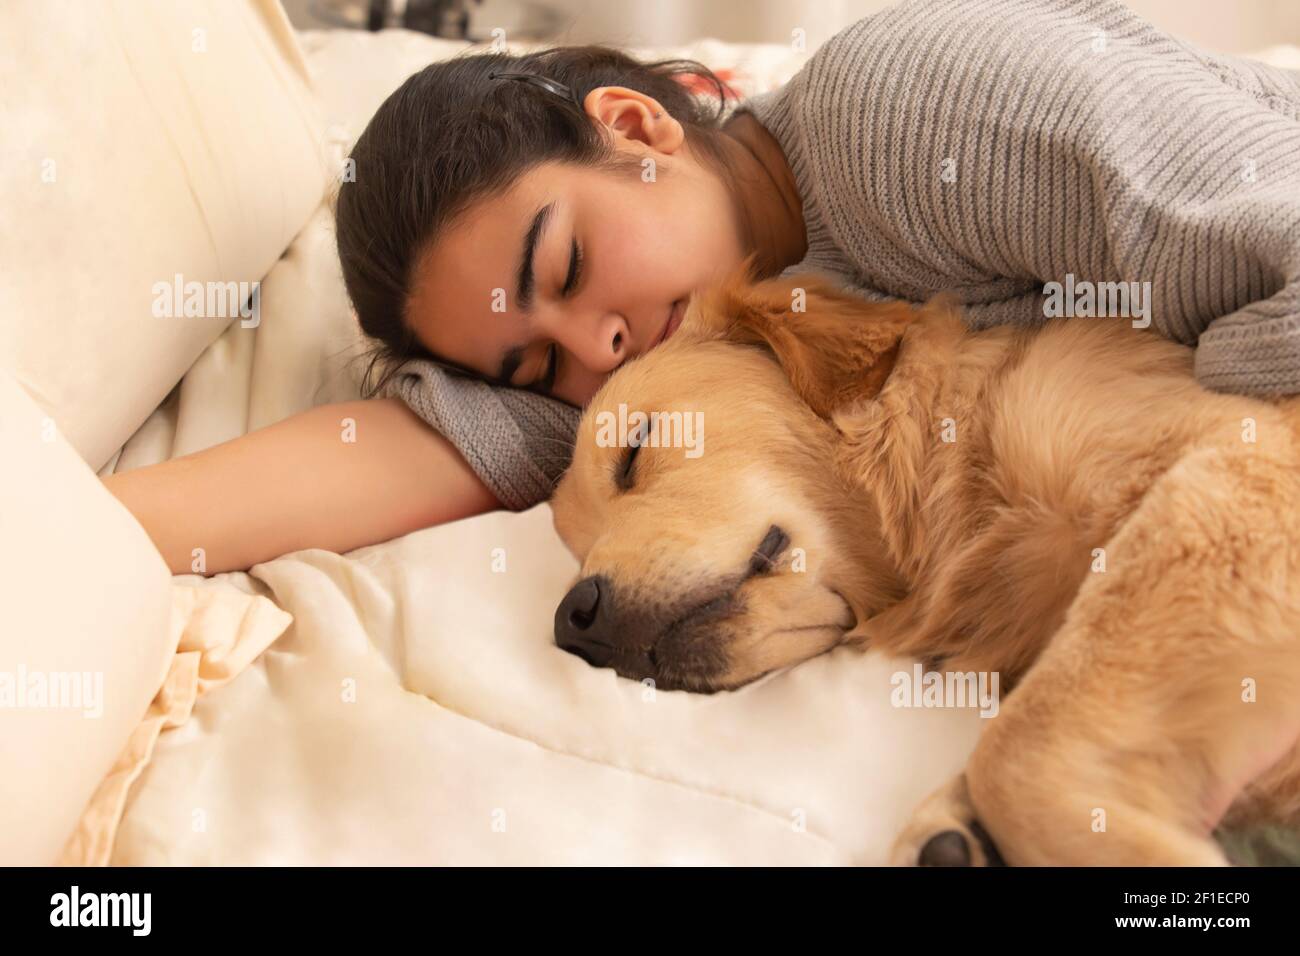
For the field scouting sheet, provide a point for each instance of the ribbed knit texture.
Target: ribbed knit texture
(985, 148)
(518, 443)
(1079, 140)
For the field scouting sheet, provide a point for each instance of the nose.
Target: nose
(583, 621)
(599, 341)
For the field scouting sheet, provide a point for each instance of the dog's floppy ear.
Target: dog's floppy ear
(833, 346)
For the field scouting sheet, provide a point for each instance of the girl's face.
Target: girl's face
(571, 272)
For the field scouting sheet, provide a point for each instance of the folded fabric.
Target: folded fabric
(221, 630)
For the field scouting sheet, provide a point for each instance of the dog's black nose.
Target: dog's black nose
(581, 620)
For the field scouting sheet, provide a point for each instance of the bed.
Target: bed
(405, 704)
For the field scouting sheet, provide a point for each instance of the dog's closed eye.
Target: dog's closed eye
(624, 475)
(769, 549)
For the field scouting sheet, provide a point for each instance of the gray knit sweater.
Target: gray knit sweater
(988, 148)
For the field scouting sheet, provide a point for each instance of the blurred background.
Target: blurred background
(1228, 26)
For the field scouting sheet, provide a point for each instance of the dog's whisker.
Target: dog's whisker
(567, 443)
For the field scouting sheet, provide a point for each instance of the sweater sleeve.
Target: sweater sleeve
(1257, 347)
(990, 148)
(519, 443)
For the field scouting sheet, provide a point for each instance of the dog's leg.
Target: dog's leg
(1173, 683)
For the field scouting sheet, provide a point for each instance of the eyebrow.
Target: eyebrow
(524, 283)
(513, 357)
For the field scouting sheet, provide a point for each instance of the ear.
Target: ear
(632, 115)
(835, 347)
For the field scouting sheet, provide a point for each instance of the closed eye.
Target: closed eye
(547, 381)
(625, 475)
(575, 269)
(769, 549)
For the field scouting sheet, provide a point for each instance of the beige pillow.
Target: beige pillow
(142, 141)
(86, 633)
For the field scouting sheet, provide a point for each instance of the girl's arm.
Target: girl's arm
(299, 484)
(1003, 152)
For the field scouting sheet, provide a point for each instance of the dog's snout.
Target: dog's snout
(582, 619)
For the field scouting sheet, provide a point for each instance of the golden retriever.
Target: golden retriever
(1063, 506)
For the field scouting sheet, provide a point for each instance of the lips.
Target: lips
(675, 316)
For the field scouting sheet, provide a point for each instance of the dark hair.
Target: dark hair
(450, 134)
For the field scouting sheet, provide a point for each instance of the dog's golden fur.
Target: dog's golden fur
(1064, 506)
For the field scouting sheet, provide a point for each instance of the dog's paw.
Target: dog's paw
(943, 831)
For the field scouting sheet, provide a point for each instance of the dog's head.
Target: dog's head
(718, 541)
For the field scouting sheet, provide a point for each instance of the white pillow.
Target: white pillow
(85, 621)
(142, 141)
